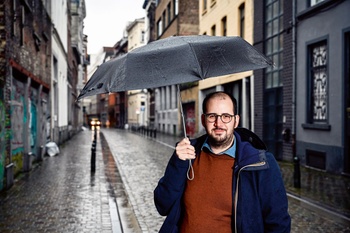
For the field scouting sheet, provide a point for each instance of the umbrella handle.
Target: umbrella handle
(190, 170)
(190, 167)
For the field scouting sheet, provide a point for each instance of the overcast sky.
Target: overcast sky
(106, 20)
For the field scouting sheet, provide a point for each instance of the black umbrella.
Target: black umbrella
(175, 60)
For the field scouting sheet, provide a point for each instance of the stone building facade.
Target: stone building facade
(174, 18)
(301, 104)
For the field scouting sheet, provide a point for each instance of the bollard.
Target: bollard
(9, 175)
(41, 152)
(296, 174)
(93, 157)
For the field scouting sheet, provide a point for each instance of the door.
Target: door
(273, 120)
(190, 118)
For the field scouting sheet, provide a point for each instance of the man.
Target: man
(234, 185)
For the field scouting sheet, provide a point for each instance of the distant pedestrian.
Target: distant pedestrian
(235, 184)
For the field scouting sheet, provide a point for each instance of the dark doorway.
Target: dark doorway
(273, 120)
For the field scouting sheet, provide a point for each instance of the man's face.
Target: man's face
(220, 133)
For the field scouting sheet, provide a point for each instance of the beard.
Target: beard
(222, 140)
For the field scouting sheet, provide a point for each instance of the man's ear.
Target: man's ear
(236, 121)
(203, 120)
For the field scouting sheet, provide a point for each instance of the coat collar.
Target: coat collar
(248, 146)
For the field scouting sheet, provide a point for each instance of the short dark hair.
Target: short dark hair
(218, 93)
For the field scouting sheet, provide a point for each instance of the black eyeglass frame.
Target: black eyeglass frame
(216, 117)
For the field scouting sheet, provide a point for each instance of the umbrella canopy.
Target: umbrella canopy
(175, 60)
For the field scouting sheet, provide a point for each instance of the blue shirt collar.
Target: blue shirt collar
(230, 151)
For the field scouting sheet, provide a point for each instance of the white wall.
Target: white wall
(59, 52)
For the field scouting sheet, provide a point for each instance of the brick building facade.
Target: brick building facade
(25, 83)
(174, 18)
(273, 35)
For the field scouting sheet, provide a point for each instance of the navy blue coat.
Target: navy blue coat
(258, 189)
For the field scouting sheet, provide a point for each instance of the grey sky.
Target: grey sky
(106, 20)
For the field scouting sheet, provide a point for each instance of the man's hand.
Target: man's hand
(184, 150)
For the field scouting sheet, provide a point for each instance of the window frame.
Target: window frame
(315, 2)
(310, 118)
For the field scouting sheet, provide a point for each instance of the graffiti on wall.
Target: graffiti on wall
(18, 120)
(33, 120)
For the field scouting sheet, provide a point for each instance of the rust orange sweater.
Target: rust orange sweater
(208, 197)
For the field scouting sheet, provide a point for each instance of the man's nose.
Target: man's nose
(218, 120)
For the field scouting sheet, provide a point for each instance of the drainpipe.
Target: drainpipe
(294, 78)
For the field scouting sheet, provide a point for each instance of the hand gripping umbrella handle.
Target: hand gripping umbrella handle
(190, 167)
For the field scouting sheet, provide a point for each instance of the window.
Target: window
(159, 27)
(318, 82)
(274, 42)
(169, 13)
(314, 2)
(241, 20)
(164, 21)
(14, 25)
(224, 26)
(205, 2)
(23, 22)
(142, 39)
(213, 30)
(175, 7)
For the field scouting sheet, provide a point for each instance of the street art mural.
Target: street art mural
(18, 120)
(33, 120)
(2, 141)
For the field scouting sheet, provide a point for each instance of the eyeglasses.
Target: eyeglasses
(226, 118)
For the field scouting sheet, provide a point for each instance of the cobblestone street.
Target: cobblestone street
(142, 162)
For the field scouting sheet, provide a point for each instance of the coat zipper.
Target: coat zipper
(236, 193)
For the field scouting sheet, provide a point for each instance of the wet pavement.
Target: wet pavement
(322, 204)
(61, 194)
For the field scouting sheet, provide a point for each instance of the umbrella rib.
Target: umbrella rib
(198, 65)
